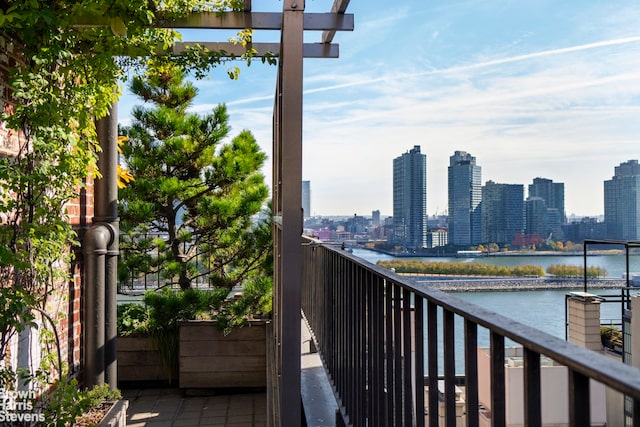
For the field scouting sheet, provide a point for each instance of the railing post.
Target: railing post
(407, 391)
(498, 408)
(379, 413)
(419, 359)
(365, 348)
(397, 355)
(579, 413)
(432, 355)
(449, 368)
(532, 387)
(471, 372)
(388, 362)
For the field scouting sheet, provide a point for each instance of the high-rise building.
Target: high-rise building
(622, 202)
(535, 214)
(410, 199)
(465, 195)
(375, 218)
(545, 209)
(306, 199)
(502, 212)
(551, 192)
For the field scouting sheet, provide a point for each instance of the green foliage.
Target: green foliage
(16, 314)
(72, 56)
(166, 309)
(576, 271)
(461, 269)
(132, 319)
(611, 337)
(188, 214)
(67, 402)
(256, 300)
(161, 312)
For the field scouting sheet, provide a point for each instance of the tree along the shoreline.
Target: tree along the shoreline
(461, 269)
(477, 269)
(562, 270)
(188, 213)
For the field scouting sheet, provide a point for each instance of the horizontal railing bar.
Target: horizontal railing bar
(612, 373)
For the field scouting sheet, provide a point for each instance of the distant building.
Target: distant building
(410, 199)
(622, 202)
(375, 218)
(502, 212)
(585, 228)
(356, 224)
(306, 199)
(437, 238)
(545, 214)
(551, 192)
(436, 222)
(465, 195)
(535, 214)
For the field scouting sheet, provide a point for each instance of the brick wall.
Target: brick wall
(80, 212)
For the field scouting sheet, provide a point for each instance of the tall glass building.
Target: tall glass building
(547, 220)
(502, 212)
(622, 202)
(410, 199)
(465, 195)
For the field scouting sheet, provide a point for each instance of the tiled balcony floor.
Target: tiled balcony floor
(169, 407)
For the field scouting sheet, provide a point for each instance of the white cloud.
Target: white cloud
(559, 101)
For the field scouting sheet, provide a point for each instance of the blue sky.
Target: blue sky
(531, 88)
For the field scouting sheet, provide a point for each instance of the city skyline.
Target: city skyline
(531, 89)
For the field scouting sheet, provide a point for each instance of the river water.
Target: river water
(543, 309)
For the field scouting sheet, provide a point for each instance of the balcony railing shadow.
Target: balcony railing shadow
(375, 330)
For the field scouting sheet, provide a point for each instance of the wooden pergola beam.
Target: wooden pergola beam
(310, 50)
(238, 21)
(339, 7)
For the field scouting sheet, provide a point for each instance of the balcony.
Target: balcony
(376, 332)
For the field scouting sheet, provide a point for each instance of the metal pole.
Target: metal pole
(95, 243)
(106, 213)
(584, 265)
(290, 173)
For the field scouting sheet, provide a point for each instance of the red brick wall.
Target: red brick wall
(80, 212)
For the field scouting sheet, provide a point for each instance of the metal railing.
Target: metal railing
(370, 329)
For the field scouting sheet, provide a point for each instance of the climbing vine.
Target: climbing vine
(70, 57)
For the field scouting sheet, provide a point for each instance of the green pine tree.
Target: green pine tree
(189, 213)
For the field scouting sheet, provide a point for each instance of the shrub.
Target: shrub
(159, 315)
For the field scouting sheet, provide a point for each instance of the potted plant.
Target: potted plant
(67, 404)
(185, 329)
(138, 355)
(228, 350)
(611, 338)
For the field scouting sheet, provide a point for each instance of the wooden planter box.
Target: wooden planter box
(210, 359)
(139, 361)
(117, 415)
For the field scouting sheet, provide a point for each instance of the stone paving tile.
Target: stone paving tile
(171, 408)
